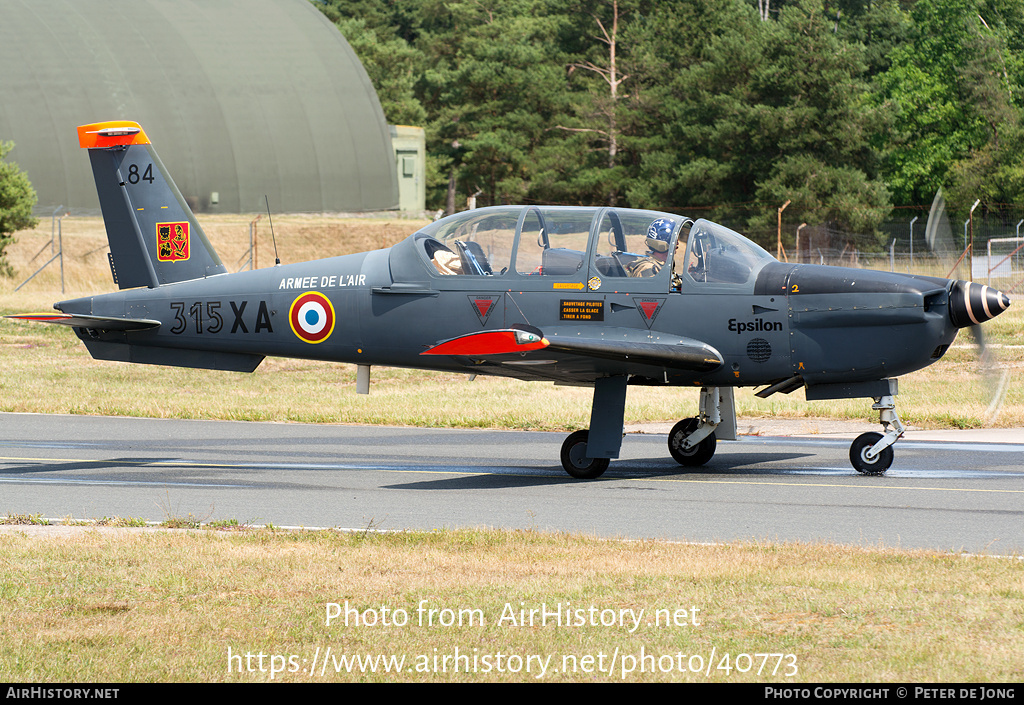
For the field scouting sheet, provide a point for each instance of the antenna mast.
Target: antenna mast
(277, 260)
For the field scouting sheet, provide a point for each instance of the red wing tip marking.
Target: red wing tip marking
(41, 317)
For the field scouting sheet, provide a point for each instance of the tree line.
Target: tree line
(726, 109)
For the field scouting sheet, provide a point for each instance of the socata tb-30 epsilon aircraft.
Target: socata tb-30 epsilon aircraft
(601, 297)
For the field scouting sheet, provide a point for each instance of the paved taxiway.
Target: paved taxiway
(952, 494)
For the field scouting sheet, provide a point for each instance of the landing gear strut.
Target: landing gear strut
(871, 453)
(586, 454)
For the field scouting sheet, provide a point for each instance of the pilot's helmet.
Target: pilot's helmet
(659, 234)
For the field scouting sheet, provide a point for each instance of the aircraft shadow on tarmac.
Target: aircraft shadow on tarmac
(731, 466)
(45, 465)
(466, 477)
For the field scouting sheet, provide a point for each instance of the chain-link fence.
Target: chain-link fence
(987, 248)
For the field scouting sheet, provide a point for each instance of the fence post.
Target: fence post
(971, 218)
(60, 254)
(912, 240)
(778, 251)
(60, 245)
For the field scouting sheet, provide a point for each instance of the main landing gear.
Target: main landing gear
(684, 450)
(575, 460)
(871, 453)
(586, 454)
(691, 443)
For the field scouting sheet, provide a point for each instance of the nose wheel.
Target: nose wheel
(865, 463)
(871, 453)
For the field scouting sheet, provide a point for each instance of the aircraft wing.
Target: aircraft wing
(609, 350)
(664, 351)
(84, 321)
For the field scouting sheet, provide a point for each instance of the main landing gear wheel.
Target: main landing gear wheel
(697, 455)
(870, 466)
(575, 460)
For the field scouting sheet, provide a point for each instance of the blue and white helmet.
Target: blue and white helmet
(659, 234)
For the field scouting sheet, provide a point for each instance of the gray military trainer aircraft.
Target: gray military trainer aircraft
(598, 297)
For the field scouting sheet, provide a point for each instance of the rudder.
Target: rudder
(154, 236)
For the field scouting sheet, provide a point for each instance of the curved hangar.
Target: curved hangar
(252, 97)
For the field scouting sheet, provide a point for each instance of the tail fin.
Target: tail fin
(154, 237)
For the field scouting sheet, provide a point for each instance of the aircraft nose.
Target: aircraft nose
(971, 303)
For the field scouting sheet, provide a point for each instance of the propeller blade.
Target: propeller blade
(995, 376)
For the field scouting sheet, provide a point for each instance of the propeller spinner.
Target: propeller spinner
(971, 303)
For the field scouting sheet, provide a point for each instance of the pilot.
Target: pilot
(447, 262)
(659, 234)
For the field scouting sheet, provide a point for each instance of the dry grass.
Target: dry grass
(141, 606)
(299, 239)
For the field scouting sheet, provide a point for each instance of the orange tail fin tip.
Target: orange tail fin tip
(116, 133)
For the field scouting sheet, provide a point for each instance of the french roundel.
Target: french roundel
(312, 317)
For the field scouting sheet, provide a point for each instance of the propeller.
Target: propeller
(995, 376)
(970, 305)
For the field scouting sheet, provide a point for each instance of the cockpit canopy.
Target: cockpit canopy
(551, 243)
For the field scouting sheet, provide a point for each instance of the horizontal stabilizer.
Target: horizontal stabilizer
(92, 322)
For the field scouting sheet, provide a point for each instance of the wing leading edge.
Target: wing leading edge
(618, 345)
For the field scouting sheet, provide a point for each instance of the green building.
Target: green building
(243, 99)
(410, 145)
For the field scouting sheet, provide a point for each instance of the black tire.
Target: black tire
(699, 454)
(876, 466)
(575, 460)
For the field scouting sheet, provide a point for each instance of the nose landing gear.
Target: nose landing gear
(871, 453)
